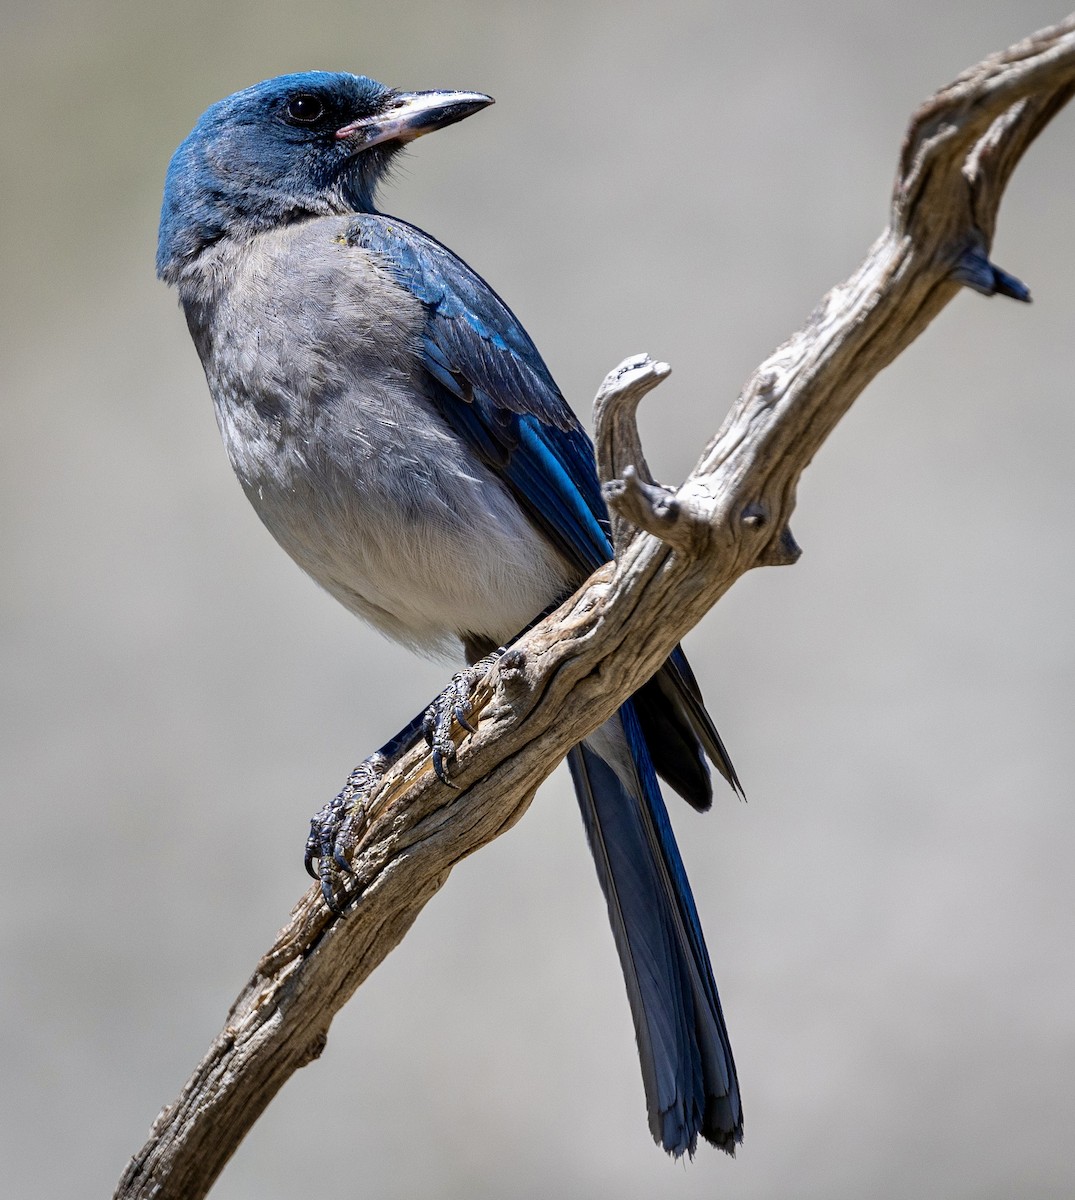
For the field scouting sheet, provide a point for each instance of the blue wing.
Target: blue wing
(492, 387)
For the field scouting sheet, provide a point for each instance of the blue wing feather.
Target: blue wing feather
(490, 384)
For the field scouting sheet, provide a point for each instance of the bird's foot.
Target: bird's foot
(454, 706)
(336, 829)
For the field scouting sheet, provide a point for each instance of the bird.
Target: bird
(399, 434)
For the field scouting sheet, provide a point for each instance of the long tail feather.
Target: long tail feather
(687, 1066)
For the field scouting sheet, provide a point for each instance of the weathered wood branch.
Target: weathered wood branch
(677, 552)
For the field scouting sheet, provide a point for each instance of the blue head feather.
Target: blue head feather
(249, 164)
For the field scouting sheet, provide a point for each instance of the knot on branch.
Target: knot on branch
(782, 550)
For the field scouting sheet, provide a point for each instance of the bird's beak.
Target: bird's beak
(407, 115)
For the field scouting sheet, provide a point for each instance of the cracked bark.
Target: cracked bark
(677, 552)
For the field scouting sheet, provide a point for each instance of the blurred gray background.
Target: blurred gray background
(890, 916)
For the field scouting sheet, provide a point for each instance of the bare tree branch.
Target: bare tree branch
(571, 672)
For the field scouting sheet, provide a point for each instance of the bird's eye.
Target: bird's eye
(305, 110)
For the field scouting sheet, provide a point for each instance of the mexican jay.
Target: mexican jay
(398, 433)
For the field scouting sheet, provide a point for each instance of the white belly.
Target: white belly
(404, 529)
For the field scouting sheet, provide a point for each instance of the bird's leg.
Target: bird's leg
(336, 829)
(456, 704)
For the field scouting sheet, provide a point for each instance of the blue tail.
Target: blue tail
(687, 1066)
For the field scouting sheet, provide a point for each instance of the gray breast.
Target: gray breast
(312, 353)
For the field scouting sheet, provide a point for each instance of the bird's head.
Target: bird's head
(292, 147)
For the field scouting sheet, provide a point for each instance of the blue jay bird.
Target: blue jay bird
(398, 433)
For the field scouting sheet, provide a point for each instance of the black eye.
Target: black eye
(305, 110)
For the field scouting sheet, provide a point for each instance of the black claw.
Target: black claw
(441, 759)
(461, 717)
(974, 270)
(329, 894)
